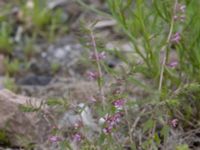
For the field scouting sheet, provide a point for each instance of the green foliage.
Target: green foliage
(40, 15)
(171, 92)
(3, 138)
(5, 40)
(182, 147)
(44, 21)
(142, 25)
(10, 84)
(12, 67)
(164, 92)
(55, 67)
(28, 108)
(29, 48)
(55, 101)
(147, 24)
(189, 105)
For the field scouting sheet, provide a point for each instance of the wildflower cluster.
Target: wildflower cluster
(94, 75)
(118, 104)
(179, 12)
(112, 121)
(98, 56)
(76, 137)
(179, 15)
(175, 38)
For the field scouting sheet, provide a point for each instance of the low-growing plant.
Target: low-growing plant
(44, 21)
(10, 84)
(55, 67)
(12, 67)
(165, 37)
(5, 38)
(29, 48)
(3, 138)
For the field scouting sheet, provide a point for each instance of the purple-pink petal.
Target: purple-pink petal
(175, 38)
(119, 103)
(77, 137)
(173, 64)
(54, 139)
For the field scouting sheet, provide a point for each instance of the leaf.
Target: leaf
(182, 147)
(53, 102)
(165, 132)
(149, 124)
(139, 83)
(28, 108)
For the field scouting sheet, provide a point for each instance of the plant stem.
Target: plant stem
(166, 54)
(102, 94)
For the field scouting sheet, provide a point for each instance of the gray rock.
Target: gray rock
(35, 80)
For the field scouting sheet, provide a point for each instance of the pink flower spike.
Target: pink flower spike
(119, 104)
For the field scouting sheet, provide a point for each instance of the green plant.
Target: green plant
(39, 13)
(57, 25)
(29, 48)
(3, 138)
(5, 39)
(182, 147)
(55, 67)
(12, 67)
(165, 37)
(10, 84)
(45, 21)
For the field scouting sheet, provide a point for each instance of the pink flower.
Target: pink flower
(111, 122)
(180, 13)
(174, 123)
(175, 38)
(107, 130)
(182, 18)
(179, 18)
(180, 8)
(92, 75)
(173, 64)
(77, 137)
(98, 56)
(54, 139)
(119, 104)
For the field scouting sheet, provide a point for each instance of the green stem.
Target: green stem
(99, 70)
(166, 55)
